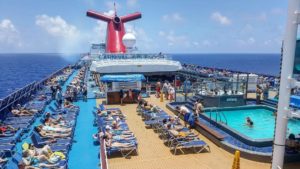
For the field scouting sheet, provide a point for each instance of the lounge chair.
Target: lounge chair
(197, 146)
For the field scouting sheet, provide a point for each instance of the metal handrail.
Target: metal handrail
(222, 113)
(218, 116)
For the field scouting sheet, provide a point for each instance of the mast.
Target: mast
(288, 55)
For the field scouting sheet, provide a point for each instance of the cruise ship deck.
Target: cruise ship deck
(153, 154)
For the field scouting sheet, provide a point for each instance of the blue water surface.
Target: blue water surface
(255, 63)
(264, 122)
(17, 70)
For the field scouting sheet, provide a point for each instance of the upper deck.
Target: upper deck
(134, 63)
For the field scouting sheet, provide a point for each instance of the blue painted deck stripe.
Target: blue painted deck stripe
(84, 153)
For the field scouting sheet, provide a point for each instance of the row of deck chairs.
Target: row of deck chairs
(21, 123)
(105, 120)
(24, 124)
(175, 140)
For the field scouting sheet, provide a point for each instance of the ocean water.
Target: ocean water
(255, 63)
(17, 70)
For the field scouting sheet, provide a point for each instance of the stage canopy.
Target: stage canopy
(123, 78)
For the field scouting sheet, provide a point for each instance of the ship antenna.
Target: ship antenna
(115, 8)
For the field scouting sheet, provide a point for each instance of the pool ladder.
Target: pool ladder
(218, 116)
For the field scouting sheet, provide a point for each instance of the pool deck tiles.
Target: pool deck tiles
(153, 154)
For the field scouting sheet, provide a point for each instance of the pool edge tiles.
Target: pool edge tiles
(84, 154)
(263, 142)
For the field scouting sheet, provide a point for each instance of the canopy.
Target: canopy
(122, 78)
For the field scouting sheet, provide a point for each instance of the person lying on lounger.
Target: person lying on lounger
(104, 113)
(4, 134)
(3, 160)
(68, 105)
(110, 136)
(59, 121)
(33, 151)
(51, 134)
(7, 128)
(116, 124)
(111, 144)
(41, 97)
(22, 112)
(108, 129)
(54, 129)
(146, 106)
(37, 162)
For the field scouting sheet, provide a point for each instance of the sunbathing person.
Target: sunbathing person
(54, 129)
(3, 134)
(48, 118)
(7, 128)
(146, 106)
(62, 121)
(111, 144)
(42, 97)
(51, 134)
(105, 113)
(33, 151)
(118, 132)
(22, 112)
(154, 108)
(109, 135)
(37, 162)
(3, 160)
(58, 122)
(68, 105)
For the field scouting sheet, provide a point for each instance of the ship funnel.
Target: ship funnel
(115, 29)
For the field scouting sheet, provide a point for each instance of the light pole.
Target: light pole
(289, 47)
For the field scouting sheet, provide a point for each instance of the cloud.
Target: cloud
(273, 42)
(143, 41)
(248, 28)
(175, 17)
(262, 16)
(110, 13)
(56, 26)
(174, 39)
(277, 11)
(131, 3)
(206, 43)
(110, 5)
(249, 41)
(99, 32)
(196, 44)
(221, 19)
(66, 37)
(9, 35)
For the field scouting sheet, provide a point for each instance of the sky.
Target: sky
(194, 26)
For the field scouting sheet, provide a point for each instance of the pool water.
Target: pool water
(264, 122)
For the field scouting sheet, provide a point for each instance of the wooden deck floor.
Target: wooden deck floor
(153, 154)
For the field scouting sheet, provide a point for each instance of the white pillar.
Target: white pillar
(289, 47)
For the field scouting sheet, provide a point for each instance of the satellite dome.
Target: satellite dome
(129, 40)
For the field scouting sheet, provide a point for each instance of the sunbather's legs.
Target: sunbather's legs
(120, 145)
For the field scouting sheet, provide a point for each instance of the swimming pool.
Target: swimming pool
(262, 116)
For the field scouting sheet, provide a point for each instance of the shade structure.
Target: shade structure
(123, 78)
